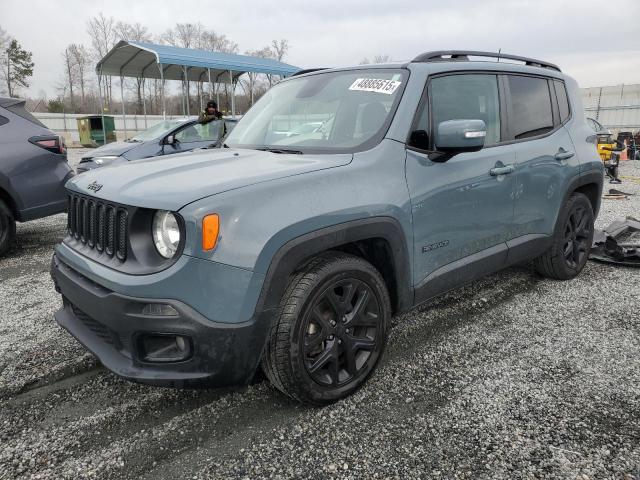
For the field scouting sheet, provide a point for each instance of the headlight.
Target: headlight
(166, 233)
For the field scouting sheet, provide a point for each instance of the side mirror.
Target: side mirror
(457, 136)
(170, 139)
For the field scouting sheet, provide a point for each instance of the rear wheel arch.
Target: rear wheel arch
(593, 192)
(9, 202)
(589, 184)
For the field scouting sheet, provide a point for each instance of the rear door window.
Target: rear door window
(529, 105)
(563, 100)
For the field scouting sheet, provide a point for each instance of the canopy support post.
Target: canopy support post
(164, 108)
(182, 89)
(186, 89)
(104, 134)
(144, 102)
(201, 88)
(233, 95)
(211, 88)
(124, 118)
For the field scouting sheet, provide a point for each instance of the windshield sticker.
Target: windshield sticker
(375, 85)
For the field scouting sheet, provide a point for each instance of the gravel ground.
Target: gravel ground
(511, 377)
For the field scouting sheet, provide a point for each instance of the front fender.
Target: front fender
(289, 256)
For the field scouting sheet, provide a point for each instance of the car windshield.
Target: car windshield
(156, 131)
(326, 112)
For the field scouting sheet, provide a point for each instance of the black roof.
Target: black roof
(8, 101)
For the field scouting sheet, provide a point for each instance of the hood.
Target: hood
(171, 182)
(115, 148)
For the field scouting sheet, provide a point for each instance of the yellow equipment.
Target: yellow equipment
(609, 151)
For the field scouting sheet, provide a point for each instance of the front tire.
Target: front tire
(7, 228)
(572, 239)
(330, 330)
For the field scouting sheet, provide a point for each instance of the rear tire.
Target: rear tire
(330, 331)
(572, 239)
(7, 229)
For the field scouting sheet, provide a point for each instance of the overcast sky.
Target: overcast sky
(597, 42)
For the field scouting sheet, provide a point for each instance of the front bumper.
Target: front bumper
(110, 325)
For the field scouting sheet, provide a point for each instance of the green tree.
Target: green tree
(55, 106)
(17, 67)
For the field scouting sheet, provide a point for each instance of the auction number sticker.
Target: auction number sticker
(375, 85)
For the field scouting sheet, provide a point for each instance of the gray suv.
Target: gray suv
(33, 170)
(290, 248)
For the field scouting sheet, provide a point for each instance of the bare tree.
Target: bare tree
(214, 42)
(376, 59)
(4, 43)
(250, 85)
(103, 36)
(70, 74)
(138, 33)
(381, 59)
(279, 48)
(80, 56)
(4, 39)
(185, 35)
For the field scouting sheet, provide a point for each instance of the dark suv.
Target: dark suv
(33, 170)
(342, 197)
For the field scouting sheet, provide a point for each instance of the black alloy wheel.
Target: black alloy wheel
(330, 330)
(340, 332)
(571, 240)
(577, 235)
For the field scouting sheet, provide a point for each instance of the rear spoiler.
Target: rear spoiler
(10, 102)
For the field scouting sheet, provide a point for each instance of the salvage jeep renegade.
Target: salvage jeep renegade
(342, 197)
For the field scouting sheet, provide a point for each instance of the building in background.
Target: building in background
(616, 108)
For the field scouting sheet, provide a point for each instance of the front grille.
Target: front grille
(99, 225)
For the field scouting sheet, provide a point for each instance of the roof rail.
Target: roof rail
(463, 55)
(308, 70)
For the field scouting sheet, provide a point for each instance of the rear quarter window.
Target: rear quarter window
(563, 101)
(529, 104)
(3, 120)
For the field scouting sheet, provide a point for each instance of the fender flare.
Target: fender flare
(8, 195)
(302, 248)
(586, 178)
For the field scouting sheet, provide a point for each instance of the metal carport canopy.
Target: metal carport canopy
(143, 60)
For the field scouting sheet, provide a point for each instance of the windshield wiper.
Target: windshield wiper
(280, 150)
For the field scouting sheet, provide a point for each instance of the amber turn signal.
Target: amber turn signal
(210, 229)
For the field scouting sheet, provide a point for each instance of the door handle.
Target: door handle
(563, 155)
(495, 171)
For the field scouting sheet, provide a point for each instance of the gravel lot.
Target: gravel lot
(511, 377)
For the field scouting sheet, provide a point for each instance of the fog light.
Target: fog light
(160, 347)
(159, 310)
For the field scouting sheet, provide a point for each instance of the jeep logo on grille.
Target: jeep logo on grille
(95, 186)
